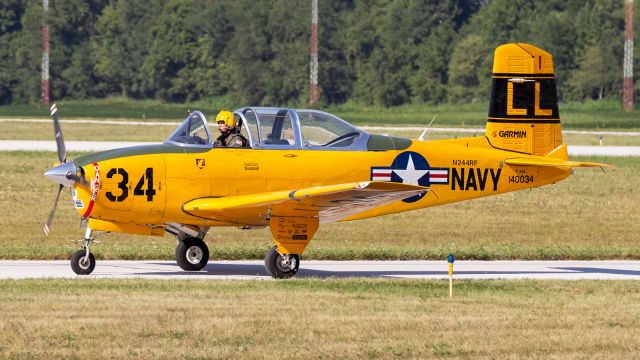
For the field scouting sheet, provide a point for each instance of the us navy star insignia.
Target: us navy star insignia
(410, 175)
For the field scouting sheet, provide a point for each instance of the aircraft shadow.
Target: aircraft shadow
(213, 269)
(593, 270)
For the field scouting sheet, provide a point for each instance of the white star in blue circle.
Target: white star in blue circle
(411, 168)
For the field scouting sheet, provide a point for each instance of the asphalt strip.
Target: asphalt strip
(252, 270)
(50, 145)
(366, 128)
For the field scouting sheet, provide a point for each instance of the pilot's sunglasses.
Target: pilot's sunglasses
(220, 122)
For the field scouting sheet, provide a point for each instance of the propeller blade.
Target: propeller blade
(62, 150)
(47, 225)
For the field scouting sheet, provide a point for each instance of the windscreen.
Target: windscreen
(192, 131)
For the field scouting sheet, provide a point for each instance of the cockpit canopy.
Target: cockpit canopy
(299, 129)
(281, 128)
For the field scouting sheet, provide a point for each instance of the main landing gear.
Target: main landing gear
(281, 266)
(192, 254)
(83, 262)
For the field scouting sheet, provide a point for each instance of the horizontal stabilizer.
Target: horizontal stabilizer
(551, 162)
(329, 203)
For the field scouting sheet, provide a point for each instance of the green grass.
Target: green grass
(604, 114)
(567, 138)
(318, 318)
(591, 215)
(19, 130)
(116, 108)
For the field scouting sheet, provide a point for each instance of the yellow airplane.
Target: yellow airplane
(307, 167)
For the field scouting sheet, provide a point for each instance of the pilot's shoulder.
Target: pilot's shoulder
(236, 140)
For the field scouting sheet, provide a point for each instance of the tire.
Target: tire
(80, 265)
(275, 268)
(192, 254)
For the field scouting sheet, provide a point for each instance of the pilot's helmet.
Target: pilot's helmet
(227, 118)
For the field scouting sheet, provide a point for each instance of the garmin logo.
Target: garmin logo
(513, 134)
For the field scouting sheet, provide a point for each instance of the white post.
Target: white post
(627, 89)
(44, 89)
(313, 96)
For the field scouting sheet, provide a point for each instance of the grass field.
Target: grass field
(590, 115)
(591, 215)
(86, 132)
(315, 318)
(114, 108)
(16, 130)
(569, 139)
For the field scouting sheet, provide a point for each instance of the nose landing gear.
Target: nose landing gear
(83, 262)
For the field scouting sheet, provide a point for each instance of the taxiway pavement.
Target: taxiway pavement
(50, 145)
(246, 270)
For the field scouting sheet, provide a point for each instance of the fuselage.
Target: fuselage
(149, 184)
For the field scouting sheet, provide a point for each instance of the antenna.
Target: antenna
(421, 137)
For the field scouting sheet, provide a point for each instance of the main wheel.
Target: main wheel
(192, 254)
(81, 264)
(281, 266)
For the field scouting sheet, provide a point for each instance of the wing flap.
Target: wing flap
(551, 162)
(329, 203)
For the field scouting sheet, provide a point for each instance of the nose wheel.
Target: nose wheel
(83, 262)
(281, 266)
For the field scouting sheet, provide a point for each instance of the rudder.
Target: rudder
(523, 110)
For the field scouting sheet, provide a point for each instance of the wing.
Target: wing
(329, 203)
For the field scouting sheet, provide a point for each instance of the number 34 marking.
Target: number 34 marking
(124, 190)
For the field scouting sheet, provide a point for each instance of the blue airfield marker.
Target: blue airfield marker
(450, 260)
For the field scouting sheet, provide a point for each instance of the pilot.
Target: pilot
(229, 135)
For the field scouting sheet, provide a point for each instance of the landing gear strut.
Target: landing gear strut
(281, 266)
(192, 254)
(83, 262)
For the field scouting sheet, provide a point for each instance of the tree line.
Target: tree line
(380, 52)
